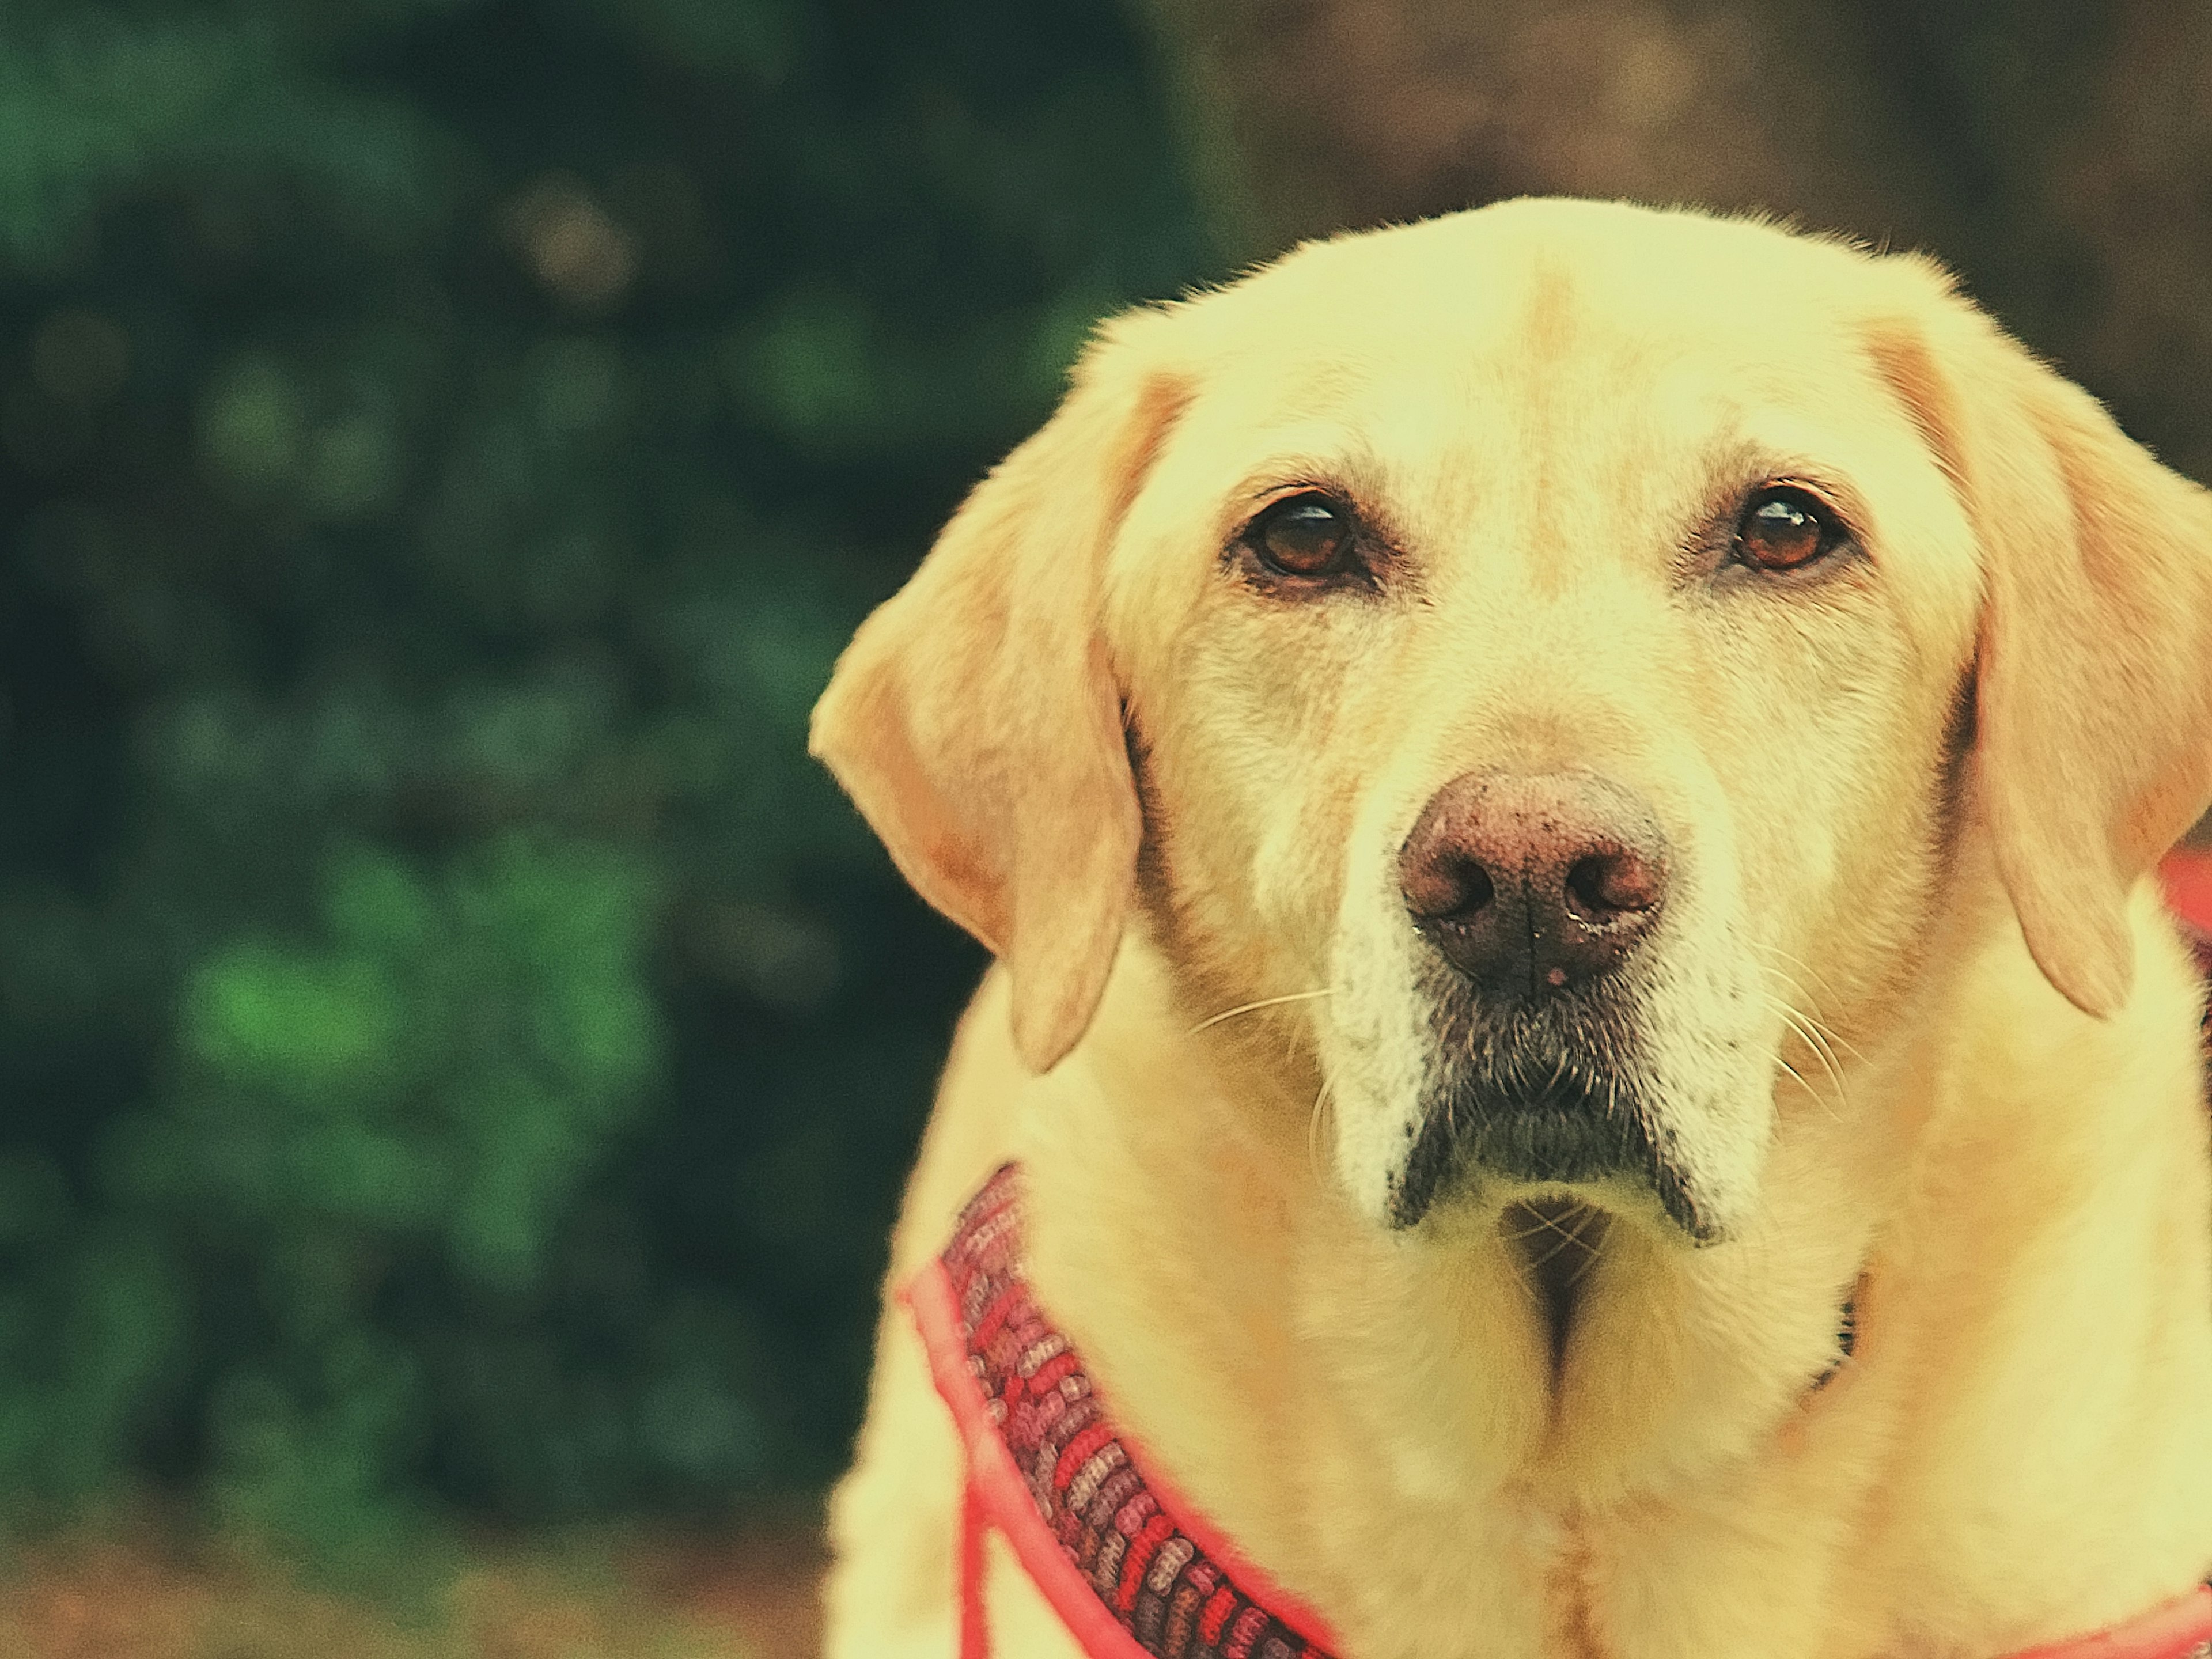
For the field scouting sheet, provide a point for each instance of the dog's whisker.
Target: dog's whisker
(1526, 1234)
(1812, 1030)
(1538, 1223)
(1828, 1034)
(1582, 1267)
(1565, 1243)
(1547, 1222)
(1798, 1023)
(1825, 1104)
(1796, 962)
(1792, 984)
(1253, 1007)
(1816, 1036)
(1574, 1229)
(1836, 1039)
(1324, 1098)
(1543, 1224)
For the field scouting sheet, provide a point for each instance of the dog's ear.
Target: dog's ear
(976, 720)
(2092, 686)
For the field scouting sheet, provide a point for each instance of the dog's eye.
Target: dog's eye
(1303, 535)
(1783, 528)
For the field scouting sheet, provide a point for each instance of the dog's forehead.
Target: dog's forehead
(1534, 304)
(1528, 269)
(1565, 352)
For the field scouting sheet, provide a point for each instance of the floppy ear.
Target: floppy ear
(2092, 749)
(975, 718)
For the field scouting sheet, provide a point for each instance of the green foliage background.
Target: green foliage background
(458, 1054)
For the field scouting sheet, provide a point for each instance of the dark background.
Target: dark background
(458, 1056)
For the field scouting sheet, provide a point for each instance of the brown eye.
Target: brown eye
(1304, 536)
(1783, 528)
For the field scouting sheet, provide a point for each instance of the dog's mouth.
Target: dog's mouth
(1557, 1242)
(1549, 1096)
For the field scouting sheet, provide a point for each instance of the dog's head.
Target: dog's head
(1560, 652)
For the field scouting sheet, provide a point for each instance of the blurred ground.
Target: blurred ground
(750, 1596)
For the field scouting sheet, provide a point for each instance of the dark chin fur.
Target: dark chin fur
(1536, 1095)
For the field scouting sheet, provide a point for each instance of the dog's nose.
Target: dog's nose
(1530, 883)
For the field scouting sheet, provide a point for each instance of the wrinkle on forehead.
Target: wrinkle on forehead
(1543, 343)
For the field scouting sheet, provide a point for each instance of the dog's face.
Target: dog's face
(1531, 663)
(1556, 651)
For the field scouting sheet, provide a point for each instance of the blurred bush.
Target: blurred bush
(459, 1054)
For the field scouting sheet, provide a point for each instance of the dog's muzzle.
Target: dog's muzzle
(1534, 891)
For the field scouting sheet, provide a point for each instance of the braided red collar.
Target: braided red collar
(1132, 1569)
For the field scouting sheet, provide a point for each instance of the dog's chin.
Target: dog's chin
(1486, 1157)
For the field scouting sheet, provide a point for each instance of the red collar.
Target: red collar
(1130, 1568)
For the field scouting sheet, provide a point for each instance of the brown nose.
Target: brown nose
(1531, 883)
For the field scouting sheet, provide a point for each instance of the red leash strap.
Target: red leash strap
(1126, 1563)
(975, 1632)
(997, 1498)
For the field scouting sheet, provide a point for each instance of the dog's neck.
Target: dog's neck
(1652, 1460)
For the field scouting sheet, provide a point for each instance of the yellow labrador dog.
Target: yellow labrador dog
(1562, 796)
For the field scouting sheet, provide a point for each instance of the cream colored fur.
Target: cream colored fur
(1882, 1094)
